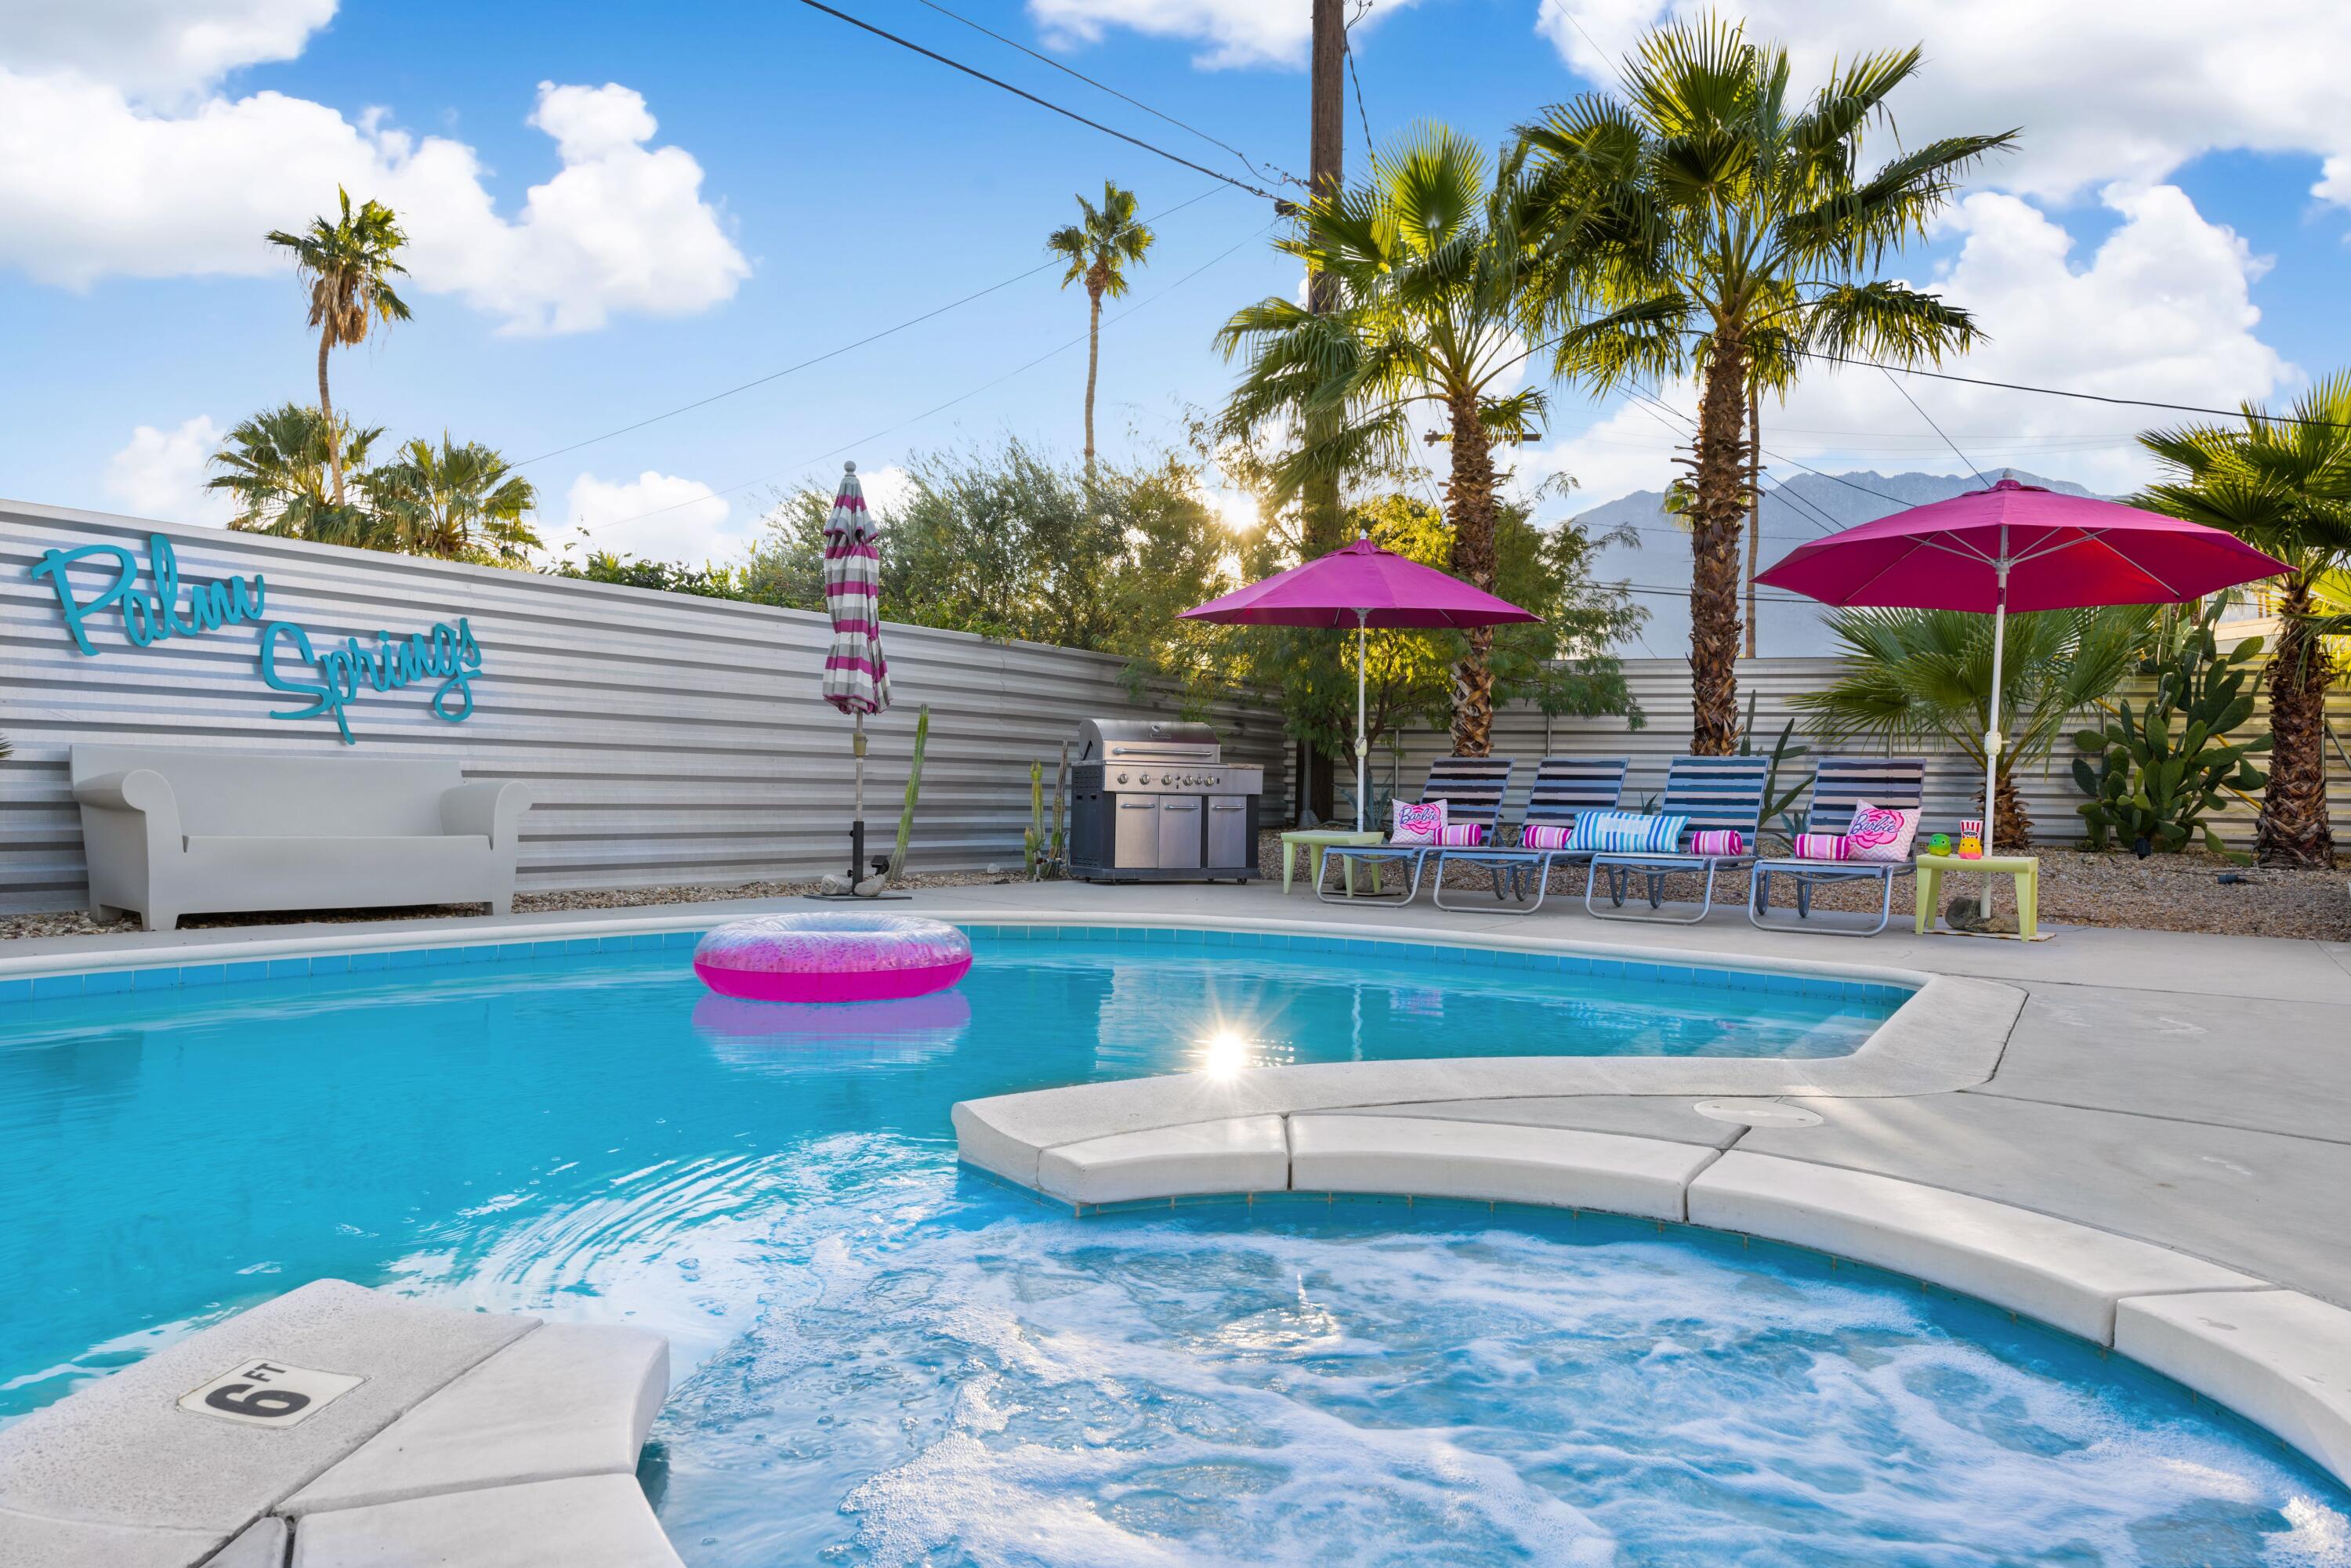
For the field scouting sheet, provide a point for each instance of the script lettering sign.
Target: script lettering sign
(331, 675)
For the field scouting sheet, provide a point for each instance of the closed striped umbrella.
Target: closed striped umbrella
(856, 675)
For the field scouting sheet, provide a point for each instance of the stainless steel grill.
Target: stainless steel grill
(1154, 800)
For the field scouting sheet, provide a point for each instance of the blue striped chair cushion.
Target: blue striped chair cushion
(1628, 833)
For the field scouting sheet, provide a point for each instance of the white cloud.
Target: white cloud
(2103, 91)
(886, 489)
(159, 474)
(92, 185)
(2161, 311)
(655, 517)
(1235, 32)
(156, 49)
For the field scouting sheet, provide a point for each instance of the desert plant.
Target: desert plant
(871, 887)
(349, 268)
(1725, 223)
(1099, 251)
(2151, 785)
(2282, 485)
(1925, 674)
(1778, 803)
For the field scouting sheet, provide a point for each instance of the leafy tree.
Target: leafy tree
(661, 577)
(1712, 222)
(1005, 543)
(1912, 675)
(457, 502)
(349, 266)
(275, 465)
(1427, 261)
(1099, 250)
(2284, 488)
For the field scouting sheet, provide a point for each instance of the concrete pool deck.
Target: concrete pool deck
(2142, 1138)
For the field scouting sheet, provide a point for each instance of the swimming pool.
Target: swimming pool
(884, 1358)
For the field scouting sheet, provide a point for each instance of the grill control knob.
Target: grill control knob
(1143, 778)
(1122, 777)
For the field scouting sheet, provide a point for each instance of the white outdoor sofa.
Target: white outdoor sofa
(174, 830)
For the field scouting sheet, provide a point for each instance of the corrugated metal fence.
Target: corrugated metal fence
(666, 739)
(672, 739)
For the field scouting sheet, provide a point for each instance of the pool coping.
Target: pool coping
(2277, 1357)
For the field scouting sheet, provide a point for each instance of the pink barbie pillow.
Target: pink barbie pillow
(1881, 832)
(1418, 823)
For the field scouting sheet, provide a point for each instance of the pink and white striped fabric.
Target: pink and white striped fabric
(856, 675)
(1461, 835)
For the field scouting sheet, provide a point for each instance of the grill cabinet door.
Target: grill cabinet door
(1136, 844)
(1179, 832)
(1227, 830)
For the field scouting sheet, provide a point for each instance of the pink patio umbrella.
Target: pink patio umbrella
(2018, 547)
(1364, 586)
(856, 675)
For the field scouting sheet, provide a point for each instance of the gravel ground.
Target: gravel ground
(2162, 893)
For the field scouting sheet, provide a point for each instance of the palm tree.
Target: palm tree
(349, 265)
(455, 502)
(1730, 230)
(1429, 265)
(1913, 675)
(2285, 486)
(1099, 250)
(275, 465)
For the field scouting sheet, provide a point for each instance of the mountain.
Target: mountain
(1658, 565)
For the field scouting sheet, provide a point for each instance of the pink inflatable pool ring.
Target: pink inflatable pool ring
(832, 957)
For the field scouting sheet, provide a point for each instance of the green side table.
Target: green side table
(2025, 869)
(1319, 842)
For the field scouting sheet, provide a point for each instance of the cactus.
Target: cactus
(2149, 779)
(1058, 858)
(1032, 838)
(873, 885)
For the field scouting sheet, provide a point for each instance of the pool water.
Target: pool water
(883, 1359)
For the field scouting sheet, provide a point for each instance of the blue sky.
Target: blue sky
(788, 183)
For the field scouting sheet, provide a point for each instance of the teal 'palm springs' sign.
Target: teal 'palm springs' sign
(336, 675)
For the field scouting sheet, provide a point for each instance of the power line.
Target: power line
(1938, 429)
(1347, 48)
(941, 408)
(845, 348)
(2086, 397)
(1041, 102)
(1254, 166)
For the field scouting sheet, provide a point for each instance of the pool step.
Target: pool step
(354, 1421)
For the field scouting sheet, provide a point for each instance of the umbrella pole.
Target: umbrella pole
(857, 822)
(1362, 745)
(1993, 732)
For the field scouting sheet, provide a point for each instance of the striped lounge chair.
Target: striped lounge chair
(1841, 784)
(1471, 789)
(1564, 789)
(1714, 794)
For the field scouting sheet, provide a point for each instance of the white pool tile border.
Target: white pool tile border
(2276, 1357)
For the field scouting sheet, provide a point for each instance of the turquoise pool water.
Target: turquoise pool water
(884, 1360)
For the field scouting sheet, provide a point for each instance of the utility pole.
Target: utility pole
(1325, 523)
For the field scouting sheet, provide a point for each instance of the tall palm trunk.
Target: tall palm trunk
(1754, 507)
(327, 416)
(1094, 284)
(2294, 830)
(1470, 495)
(1717, 511)
(2011, 828)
